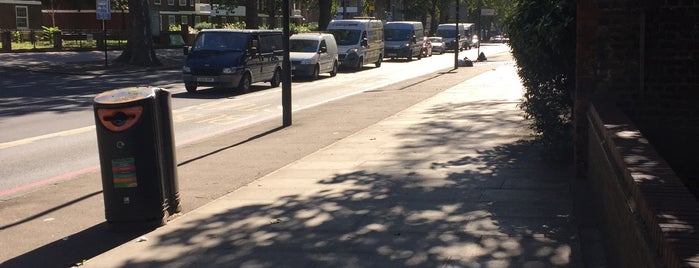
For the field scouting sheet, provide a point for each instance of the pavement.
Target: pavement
(454, 180)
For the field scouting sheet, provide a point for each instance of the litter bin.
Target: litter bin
(136, 147)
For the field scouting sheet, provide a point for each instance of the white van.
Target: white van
(449, 33)
(312, 54)
(403, 39)
(359, 41)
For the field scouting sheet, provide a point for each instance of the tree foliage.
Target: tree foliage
(542, 39)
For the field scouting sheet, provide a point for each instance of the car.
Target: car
(437, 44)
(426, 47)
(496, 39)
(499, 39)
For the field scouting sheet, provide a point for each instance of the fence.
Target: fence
(77, 39)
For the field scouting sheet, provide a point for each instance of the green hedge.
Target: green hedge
(542, 38)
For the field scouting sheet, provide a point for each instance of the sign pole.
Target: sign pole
(104, 12)
(104, 42)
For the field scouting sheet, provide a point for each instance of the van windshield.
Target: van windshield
(398, 34)
(346, 37)
(297, 45)
(221, 41)
(446, 33)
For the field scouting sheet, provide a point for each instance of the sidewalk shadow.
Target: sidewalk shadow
(72, 251)
(501, 205)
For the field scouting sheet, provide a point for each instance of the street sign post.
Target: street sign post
(104, 12)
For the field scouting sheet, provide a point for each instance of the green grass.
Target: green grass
(67, 45)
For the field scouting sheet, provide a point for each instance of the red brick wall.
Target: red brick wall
(648, 217)
(642, 56)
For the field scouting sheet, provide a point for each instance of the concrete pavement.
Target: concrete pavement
(453, 181)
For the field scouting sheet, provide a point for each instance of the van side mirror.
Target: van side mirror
(365, 42)
(323, 50)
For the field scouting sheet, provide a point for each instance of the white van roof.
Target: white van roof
(310, 35)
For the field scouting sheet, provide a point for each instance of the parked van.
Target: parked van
(403, 39)
(470, 33)
(312, 54)
(449, 33)
(359, 41)
(233, 58)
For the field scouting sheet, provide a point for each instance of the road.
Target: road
(52, 119)
(53, 140)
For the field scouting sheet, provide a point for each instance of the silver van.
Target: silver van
(312, 54)
(359, 41)
(449, 33)
(403, 39)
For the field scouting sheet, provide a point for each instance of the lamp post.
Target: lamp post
(286, 67)
(457, 39)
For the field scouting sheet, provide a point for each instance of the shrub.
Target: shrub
(542, 38)
(16, 36)
(47, 33)
(203, 25)
(235, 25)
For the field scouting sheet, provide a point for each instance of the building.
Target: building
(23, 14)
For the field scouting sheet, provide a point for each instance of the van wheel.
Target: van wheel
(419, 56)
(245, 83)
(316, 73)
(333, 73)
(359, 65)
(276, 78)
(378, 62)
(190, 87)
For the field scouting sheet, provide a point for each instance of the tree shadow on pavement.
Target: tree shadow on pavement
(25, 93)
(450, 194)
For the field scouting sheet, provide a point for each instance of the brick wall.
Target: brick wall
(648, 216)
(643, 56)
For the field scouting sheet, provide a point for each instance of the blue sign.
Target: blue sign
(103, 10)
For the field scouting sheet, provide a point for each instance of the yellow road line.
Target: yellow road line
(47, 136)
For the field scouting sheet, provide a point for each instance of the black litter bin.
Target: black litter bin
(137, 157)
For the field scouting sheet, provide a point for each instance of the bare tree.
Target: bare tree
(139, 46)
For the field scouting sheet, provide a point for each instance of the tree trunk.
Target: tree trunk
(251, 14)
(324, 15)
(139, 46)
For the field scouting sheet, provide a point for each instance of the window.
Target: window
(156, 2)
(184, 19)
(197, 19)
(171, 20)
(183, 3)
(22, 16)
(171, 2)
